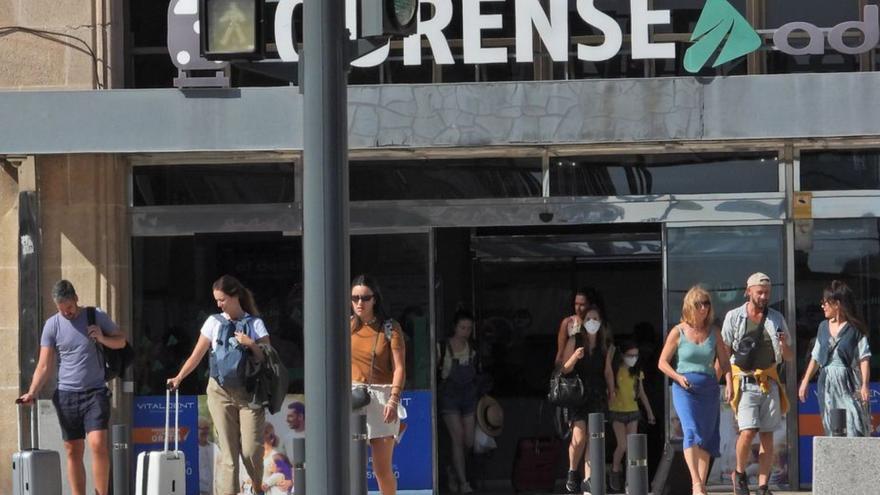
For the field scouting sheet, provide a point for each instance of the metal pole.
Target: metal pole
(325, 245)
(299, 466)
(358, 454)
(597, 454)
(838, 422)
(637, 464)
(121, 468)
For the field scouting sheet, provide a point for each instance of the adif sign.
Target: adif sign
(551, 27)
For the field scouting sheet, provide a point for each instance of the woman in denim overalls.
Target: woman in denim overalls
(458, 395)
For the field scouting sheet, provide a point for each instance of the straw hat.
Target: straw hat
(490, 416)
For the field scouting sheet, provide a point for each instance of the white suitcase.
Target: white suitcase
(163, 472)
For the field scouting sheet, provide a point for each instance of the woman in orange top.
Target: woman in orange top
(372, 348)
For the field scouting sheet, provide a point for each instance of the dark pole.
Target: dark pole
(121, 466)
(637, 464)
(597, 453)
(325, 246)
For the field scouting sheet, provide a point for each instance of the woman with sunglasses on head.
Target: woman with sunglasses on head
(698, 345)
(586, 353)
(377, 362)
(842, 355)
(239, 425)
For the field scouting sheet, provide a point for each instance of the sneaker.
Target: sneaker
(585, 487)
(571, 482)
(615, 481)
(451, 480)
(764, 490)
(465, 487)
(740, 483)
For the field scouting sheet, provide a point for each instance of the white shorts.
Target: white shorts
(375, 410)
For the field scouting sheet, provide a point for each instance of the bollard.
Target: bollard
(358, 454)
(597, 454)
(637, 464)
(120, 467)
(299, 466)
(838, 422)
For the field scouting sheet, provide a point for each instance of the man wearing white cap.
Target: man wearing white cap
(757, 337)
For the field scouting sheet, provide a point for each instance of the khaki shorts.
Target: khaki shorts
(758, 410)
(375, 410)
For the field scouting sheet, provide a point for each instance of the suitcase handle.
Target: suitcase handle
(35, 425)
(176, 418)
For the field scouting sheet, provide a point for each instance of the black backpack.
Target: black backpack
(116, 361)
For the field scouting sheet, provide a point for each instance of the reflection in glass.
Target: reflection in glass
(822, 13)
(373, 180)
(840, 170)
(831, 61)
(685, 13)
(159, 185)
(663, 174)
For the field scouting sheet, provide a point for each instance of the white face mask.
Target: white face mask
(592, 326)
(630, 361)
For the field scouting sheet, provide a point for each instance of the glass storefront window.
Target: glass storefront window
(840, 170)
(821, 13)
(685, 13)
(172, 278)
(721, 259)
(258, 183)
(663, 174)
(842, 249)
(375, 180)
(399, 264)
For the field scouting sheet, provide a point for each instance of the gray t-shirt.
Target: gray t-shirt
(79, 366)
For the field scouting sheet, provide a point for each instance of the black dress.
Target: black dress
(591, 369)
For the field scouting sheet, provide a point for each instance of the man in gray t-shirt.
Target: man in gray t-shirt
(82, 400)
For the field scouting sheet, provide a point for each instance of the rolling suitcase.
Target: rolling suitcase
(163, 472)
(34, 471)
(536, 463)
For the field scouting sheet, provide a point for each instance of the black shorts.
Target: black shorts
(82, 412)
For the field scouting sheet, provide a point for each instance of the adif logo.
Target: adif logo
(720, 26)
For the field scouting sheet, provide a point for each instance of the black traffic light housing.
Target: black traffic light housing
(243, 20)
(380, 18)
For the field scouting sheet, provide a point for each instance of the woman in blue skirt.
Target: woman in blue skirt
(697, 345)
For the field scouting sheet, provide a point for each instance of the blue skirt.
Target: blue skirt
(699, 410)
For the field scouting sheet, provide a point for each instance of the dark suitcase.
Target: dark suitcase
(34, 471)
(535, 463)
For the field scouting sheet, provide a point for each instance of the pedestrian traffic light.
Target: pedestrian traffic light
(388, 18)
(231, 29)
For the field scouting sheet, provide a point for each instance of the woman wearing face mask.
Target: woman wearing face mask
(698, 346)
(623, 411)
(586, 354)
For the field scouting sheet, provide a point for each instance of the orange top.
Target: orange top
(362, 341)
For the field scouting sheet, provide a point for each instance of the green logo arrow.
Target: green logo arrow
(720, 23)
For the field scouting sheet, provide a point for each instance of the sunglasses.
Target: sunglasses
(703, 304)
(356, 299)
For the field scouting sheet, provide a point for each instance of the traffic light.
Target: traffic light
(231, 29)
(388, 18)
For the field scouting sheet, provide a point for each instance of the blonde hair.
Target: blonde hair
(689, 306)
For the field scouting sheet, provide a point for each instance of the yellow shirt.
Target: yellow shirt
(625, 397)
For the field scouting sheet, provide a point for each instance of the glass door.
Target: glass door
(720, 258)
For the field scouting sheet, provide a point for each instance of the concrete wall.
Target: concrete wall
(44, 60)
(85, 240)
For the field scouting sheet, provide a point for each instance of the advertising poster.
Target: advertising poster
(412, 462)
(810, 425)
(148, 433)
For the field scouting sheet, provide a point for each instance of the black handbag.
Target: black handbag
(743, 355)
(360, 395)
(565, 390)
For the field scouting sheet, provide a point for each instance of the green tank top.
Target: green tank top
(696, 358)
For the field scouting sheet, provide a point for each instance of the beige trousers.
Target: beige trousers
(239, 435)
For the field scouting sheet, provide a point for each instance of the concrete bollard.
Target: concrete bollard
(637, 464)
(597, 453)
(838, 422)
(358, 454)
(299, 466)
(120, 465)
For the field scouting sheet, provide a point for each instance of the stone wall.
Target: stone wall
(9, 374)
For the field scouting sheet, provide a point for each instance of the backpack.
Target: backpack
(229, 358)
(115, 361)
